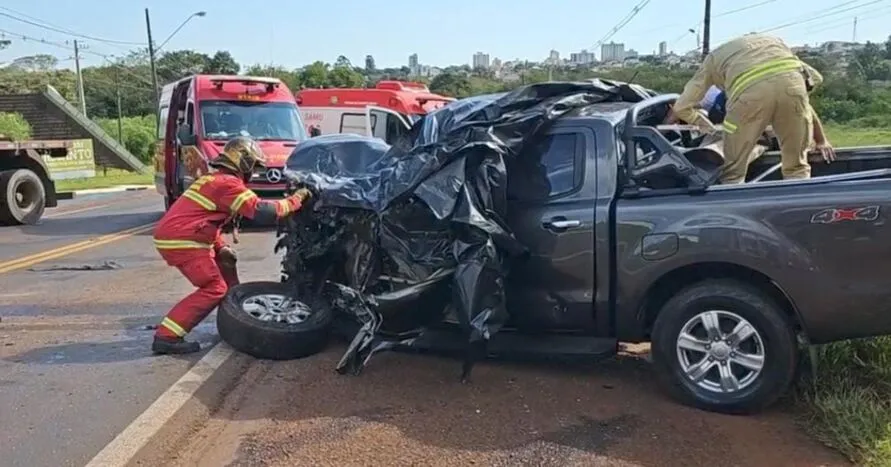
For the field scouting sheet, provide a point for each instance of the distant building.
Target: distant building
(480, 60)
(414, 69)
(631, 53)
(612, 52)
(496, 63)
(369, 63)
(582, 58)
(663, 49)
(553, 58)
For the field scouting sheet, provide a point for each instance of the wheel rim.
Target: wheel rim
(26, 196)
(276, 308)
(720, 351)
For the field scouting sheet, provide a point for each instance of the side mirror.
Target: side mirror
(185, 137)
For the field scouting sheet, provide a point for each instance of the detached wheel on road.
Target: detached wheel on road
(259, 319)
(724, 346)
(22, 197)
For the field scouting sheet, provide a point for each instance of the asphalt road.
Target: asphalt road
(75, 363)
(76, 370)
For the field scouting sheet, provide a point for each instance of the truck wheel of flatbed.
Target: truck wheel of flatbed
(257, 318)
(724, 346)
(22, 197)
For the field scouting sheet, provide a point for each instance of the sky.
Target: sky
(295, 33)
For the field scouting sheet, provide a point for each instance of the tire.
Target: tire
(732, 299)
(22, 197)
(272, 340)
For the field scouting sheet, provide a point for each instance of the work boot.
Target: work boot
(174, 345)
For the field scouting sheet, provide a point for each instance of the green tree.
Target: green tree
(449, 84)
(290, 77)
(222, 63)
(315, 75)
(138, 134)
(40, 62)
(177, 64)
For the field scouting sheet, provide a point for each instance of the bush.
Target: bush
(14, 126)
(138, 134)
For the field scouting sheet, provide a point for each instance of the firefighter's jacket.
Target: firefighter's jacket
(196, 219)
(736, 65)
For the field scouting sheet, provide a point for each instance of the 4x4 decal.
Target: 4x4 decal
(831, 216)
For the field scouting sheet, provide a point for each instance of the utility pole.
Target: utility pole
(80, 81)
(706, 28)
(117, 90)
(151, 50)
(854, 36)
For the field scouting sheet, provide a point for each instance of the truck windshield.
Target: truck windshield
(262, 121)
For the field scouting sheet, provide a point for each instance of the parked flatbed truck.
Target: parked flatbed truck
(26, 186)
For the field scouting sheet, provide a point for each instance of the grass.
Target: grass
(842, 136)
(114, 177)
(849, 403)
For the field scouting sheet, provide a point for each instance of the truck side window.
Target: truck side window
(547, 168)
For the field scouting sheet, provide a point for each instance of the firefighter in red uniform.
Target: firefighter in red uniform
(189, 237)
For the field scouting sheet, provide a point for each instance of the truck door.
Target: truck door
(551, 211)
(385, 124)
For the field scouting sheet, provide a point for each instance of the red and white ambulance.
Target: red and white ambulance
(197, 115)
(384, 111)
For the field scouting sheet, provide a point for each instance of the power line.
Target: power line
(16, 35)
(826, 12)
(718, 15)
(863, 15)
(43, 24)
(829, 25)
(622, 23)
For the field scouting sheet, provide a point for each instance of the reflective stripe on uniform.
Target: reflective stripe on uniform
(173, 327)
(729, 127)
(202, 200)
(239, 200)
(177, 244)
(284, 208)
(773, 67)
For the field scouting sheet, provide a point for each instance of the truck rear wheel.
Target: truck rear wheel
(22, 197)
(724, 346)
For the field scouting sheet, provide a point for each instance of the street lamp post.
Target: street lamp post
(152, 52)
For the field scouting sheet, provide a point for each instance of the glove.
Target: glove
(303, 194)
(227, 256)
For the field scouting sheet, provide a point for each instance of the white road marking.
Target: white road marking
(124, 447)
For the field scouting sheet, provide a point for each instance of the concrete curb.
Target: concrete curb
(114, 189)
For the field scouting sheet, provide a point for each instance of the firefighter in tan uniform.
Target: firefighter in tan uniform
(766, 84)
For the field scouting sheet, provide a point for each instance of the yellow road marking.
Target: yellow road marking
(75, 211)
(31, 260)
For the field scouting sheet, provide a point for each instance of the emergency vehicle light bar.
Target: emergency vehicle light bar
(271, 83)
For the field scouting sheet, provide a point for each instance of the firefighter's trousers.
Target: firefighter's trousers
(781, 101)
(202, 268)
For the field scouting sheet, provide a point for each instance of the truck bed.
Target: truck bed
(850, 160)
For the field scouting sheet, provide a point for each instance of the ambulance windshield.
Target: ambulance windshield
(262, 121)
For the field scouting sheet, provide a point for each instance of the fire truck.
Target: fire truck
(199, 114)
(385, 111)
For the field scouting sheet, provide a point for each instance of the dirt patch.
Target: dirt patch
(412, 410)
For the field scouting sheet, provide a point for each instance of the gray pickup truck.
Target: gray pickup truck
(634, 241)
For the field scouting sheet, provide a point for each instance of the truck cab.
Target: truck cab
(197, 115)
(385, 111)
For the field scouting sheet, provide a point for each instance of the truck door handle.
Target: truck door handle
(561, 223)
